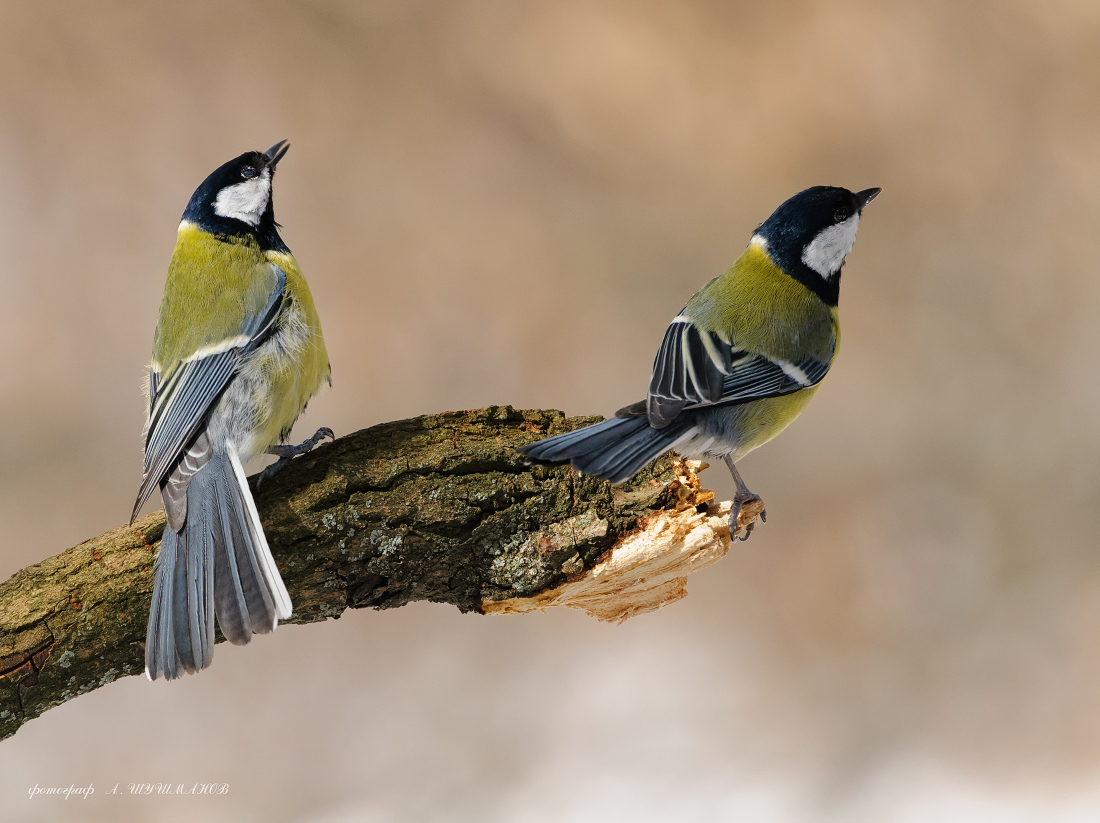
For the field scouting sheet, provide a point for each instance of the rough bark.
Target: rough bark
(438, 508)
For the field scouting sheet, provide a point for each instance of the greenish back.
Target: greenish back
(757, 305)
(212, 287)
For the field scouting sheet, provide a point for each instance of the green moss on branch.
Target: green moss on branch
(437, 508)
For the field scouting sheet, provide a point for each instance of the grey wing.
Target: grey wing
(689, 367)
(181, 399)
(754, 377)
(696, 368)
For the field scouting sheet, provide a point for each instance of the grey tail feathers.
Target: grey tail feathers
(217, 563)
(614, 450)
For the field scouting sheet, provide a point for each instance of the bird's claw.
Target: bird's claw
(270, 471)
(305, 445)
(746, 509)
(288, 453)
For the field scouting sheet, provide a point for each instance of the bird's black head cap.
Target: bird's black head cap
(235, 201)
(810, 234)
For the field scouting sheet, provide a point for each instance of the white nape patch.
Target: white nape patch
(757, 240)
(792, 371)
(245, 201)
(825, 253)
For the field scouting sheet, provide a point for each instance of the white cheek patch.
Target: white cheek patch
(826, 253)
(245, 201)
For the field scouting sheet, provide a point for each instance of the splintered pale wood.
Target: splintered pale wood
(646, 568)
(437, 508)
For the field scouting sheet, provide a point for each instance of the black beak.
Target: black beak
(862, 197)
(276, 152)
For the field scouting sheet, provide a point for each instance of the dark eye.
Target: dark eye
(249, 173)
(841, 215)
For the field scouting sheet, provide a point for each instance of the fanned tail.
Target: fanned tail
(217, 563)
(614, 450)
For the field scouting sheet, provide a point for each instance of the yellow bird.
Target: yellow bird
(743, 358)
(237, 354)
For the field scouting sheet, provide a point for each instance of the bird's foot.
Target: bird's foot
(747, 507)
(288, 453)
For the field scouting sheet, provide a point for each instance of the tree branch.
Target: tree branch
(436, 508)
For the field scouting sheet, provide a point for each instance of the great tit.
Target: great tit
(237, 353)
(743, 358)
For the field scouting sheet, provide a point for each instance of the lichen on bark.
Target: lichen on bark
(438, 508)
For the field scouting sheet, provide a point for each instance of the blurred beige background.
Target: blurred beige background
(505, 202)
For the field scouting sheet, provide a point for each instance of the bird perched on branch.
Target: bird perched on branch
(743, 358)
(237, 353)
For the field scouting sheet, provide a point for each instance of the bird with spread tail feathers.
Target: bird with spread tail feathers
(743, 358)
(237, 354)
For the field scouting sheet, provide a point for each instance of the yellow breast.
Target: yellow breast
(213, 285)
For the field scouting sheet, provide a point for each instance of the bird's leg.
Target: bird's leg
(747, 506)
(288, 453)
